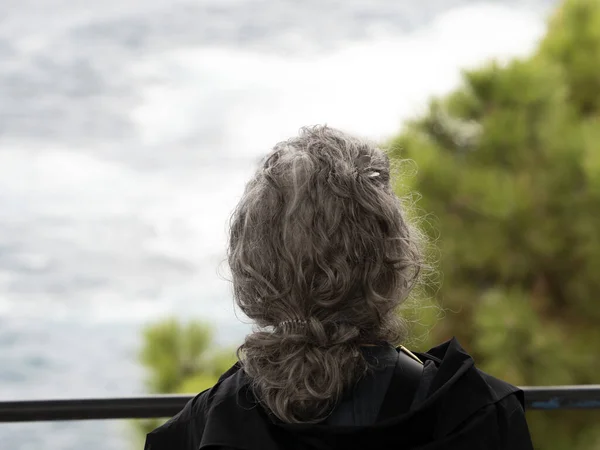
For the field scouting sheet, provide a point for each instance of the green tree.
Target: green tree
(180, 358)
(509, 174)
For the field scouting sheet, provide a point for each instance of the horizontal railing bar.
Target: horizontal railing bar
(155, 406)
(146, 407)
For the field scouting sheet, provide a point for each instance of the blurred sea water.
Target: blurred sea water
(127, 130)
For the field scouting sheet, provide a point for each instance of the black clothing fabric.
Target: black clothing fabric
(454, 406)
(361, 405)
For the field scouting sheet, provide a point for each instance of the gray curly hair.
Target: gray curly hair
(321, 257)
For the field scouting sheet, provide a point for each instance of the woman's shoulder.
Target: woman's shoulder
(452, 379)
(185, 430)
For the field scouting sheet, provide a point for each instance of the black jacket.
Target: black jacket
(455, 406)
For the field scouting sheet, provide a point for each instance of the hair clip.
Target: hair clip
(292, 322)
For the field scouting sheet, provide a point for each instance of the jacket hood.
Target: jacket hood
(454, 404)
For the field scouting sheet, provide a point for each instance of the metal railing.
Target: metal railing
(545, 398)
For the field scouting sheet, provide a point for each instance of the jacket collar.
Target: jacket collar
(451, 387)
